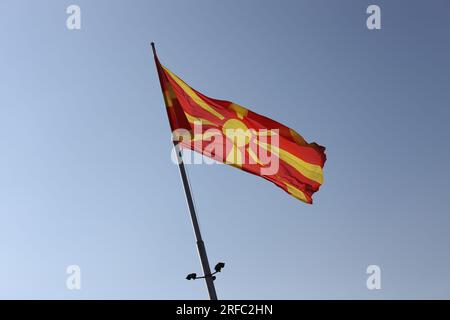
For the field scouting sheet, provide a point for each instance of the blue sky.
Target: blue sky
(85, 170)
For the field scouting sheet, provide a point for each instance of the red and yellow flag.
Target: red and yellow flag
(232, 134)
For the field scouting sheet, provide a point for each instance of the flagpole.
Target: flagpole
(198, 236)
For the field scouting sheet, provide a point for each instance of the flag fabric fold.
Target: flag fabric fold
(232, 134)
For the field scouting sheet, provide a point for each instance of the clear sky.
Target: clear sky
(85, 171)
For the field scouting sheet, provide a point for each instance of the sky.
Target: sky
(86, 177)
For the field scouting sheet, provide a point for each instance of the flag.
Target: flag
(229, 133)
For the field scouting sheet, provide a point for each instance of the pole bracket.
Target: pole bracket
(218, 268)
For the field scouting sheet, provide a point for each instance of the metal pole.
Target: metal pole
(198, 236)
